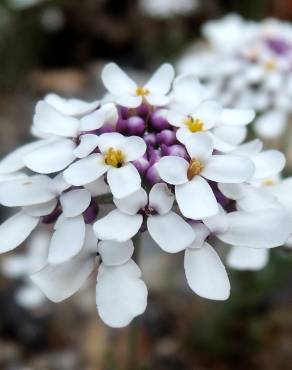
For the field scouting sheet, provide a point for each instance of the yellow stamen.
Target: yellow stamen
(270, 65)
(194, 124)
(141, 91)
(114, 157)
(268, 182)
(195, 167)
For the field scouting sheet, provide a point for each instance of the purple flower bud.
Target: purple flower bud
(150, 139)
(143, 110)
(177, 149)
(158, 122)
(90, 213)
(136, 125)
(152, 175)
(124, 112)
(107, 128)
(154, 156)
(122, 125)
(167, 137)
(142, 165)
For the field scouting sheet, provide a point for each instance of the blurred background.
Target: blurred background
(61, 46)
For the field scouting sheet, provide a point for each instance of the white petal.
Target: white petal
(271, 125)
(123, 181)
(208, 112)
(98, 187)
(196, 199)
(199, 146)
(228, 168)
(250, 148)
(113, 253)
(14, 161)
(202, 232)
(187, 87)
(157, 100)
(170, 232)
(71, 107)
(241, 258)
(51, 158)
(50, 121)
(221, 145)
(87, 145)
(15, 230)
(58, 184)
(218, 223)
(232, 135)
(161, 198)
(176, 119)
(132, 203)
(182, 134)
(67, 240)
(113, 140)
(237, 116)
(266, 228)
(59, 282)
(116, 81)
(75, 202)
(134, 147)
(120, 297)
(26, 192)
(92, 121)
(173, 170)
(129, 101)
(85, 170)
(161, 80)
(206, 274)
(268, 163)
(43, 209)
(117, 226)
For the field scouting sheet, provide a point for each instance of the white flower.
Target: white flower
(127, 93)
(117, 152)
(167, 8)
(120, 293)
(36, 199)
(193, 193)
(167, 228)
(241, 258)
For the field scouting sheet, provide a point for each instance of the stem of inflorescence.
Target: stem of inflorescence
(134, 328)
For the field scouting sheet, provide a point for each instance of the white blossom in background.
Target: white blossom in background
(161, 158)
(165, 9)
(253, 63)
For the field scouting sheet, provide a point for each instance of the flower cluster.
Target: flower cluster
(253, 68)
(156, 158)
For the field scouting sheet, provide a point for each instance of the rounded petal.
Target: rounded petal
(187, 88)
(116, 81)
(232, 135)
(124, 181)
(208, 112)
(75, 202)
(237, 116)
(67, 240)
(98, 187)
(134, 147)
(170, 232)
(196, 199)
(50, 121)
(250, 148)
(113, 140)
(173, 170)
(26, 192)
(70, 107)
(161, 80)
(117, 226)
(59, 282)
(15, 230)
(85, 170)
(206, 274)
(51, 158)
(132, 203)
(14, 161)
(242, 258)
(228, 169)
(202, 232)
(199, 146)
(119, 296)
(161, 198)
(113, 253)
(129, 101)
(42, 209)
(271, 125)
(265, 228)
(268, 163)
(157, 100)
(58, 184)
(175, 118)
(86, 146)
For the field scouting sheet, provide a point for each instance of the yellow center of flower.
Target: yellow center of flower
(195, 167)
(141, 91)
(194, 124)
(268, 182)
(270, 65)
(114, 157)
